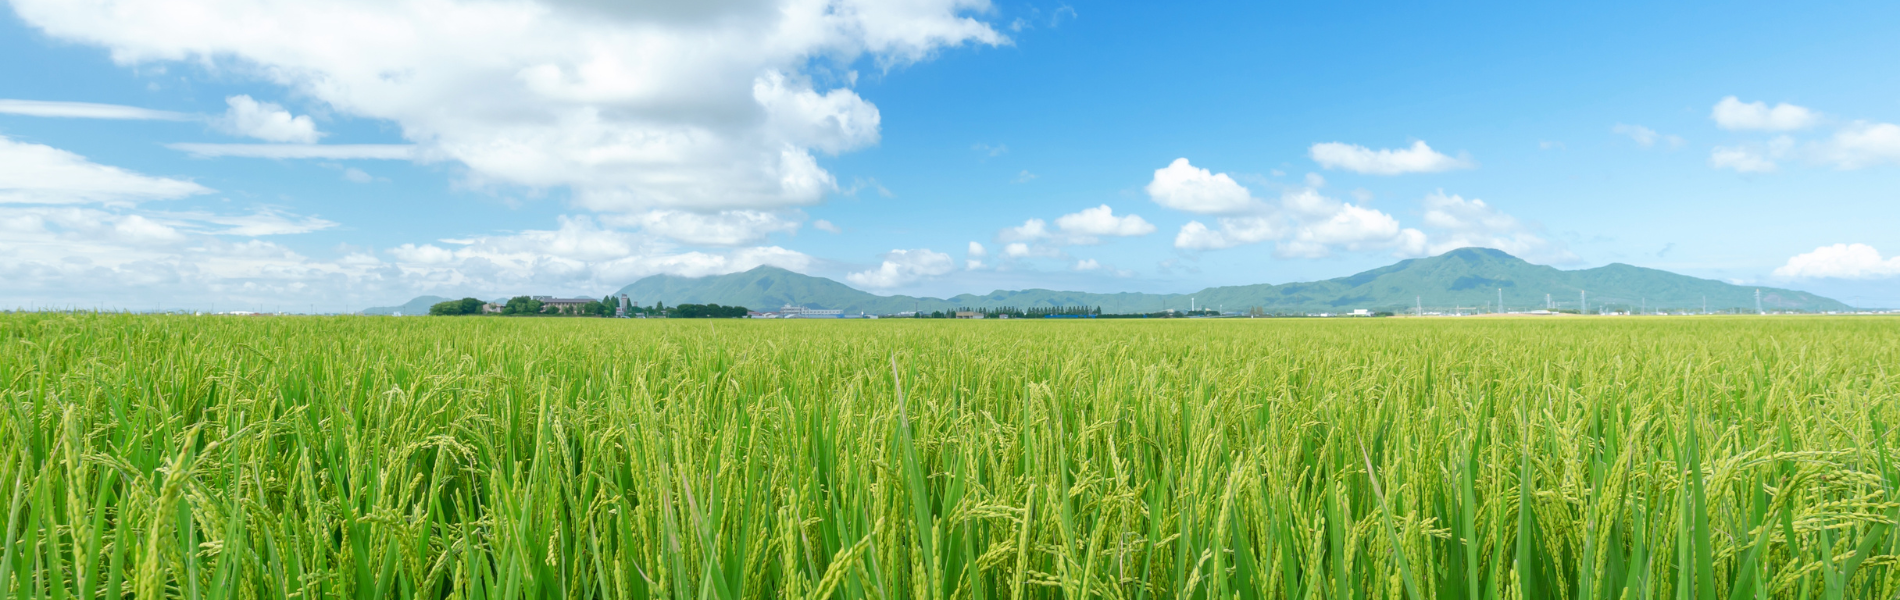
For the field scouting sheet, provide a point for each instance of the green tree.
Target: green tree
(522, 305)
(465, 306)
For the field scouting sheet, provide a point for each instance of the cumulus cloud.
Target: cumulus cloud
(904, 267)
(1646, 137)
(1733, 114)
(1036, 238)
(1182, 186)
(826, 226)
(1420, 158)
(1089, 225)
(1841, 261)
(87, 110)
(266, 121)
(40, 174)
(1304, 223)
(633, 106)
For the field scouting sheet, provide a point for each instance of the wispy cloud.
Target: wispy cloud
(88, 110)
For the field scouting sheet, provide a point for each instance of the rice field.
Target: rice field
(211, 458)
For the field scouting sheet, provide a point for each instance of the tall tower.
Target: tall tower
(621, 312)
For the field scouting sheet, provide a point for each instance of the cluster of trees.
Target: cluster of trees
(1019, 313)
(605, 307)
(465, 306)
(706, 311)
(526, 305)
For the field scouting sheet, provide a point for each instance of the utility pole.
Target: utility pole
(1421, 306)
(1500, 300)
(1758, 302)
(1546, 301)
(1583, 301)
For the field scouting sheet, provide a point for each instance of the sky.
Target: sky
(296, 156)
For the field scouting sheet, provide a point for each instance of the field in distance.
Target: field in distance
(218, 457)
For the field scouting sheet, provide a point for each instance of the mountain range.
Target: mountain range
(1467, 277)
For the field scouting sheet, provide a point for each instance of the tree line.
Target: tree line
(605, 307)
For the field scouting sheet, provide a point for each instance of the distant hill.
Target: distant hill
(1467, 277)
(1463, 277)
(418, 306)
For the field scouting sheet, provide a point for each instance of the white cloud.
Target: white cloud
(294, 151)
(426, 254)
(86, 256)
(1352, 228)
(1182, 186)
(1841, 261)
(1087, 226)
(1733, 114)
(1645, 136)
(87, 110)
(1860, 145)
(1419, 158)
(725, 228)
(39, 174)
(1087, 264)
(266, 121)
(826, 226)
(904, 267)
(1456, 222)
(977, 250)
(1030, 230)
(1035, 238)
(1751, 157)
(1024, 177)
(1304, 223)
(633, 106)
(355, 175)
(1233, 231)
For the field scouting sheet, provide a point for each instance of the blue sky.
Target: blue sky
(295, 156)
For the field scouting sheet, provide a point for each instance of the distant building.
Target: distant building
(492, 308)
(624, 308)
(1360, 312)
(969, 314)
(563, 303)
(792, 311)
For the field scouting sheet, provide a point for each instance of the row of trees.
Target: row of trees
(605, 307)
(523, 306)
(706, 311)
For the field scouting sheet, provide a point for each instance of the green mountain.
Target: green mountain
(1467, 277)
(418, 306)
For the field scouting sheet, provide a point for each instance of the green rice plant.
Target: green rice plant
(220, 458)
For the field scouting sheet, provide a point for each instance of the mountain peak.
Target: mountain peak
(1475, 254)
